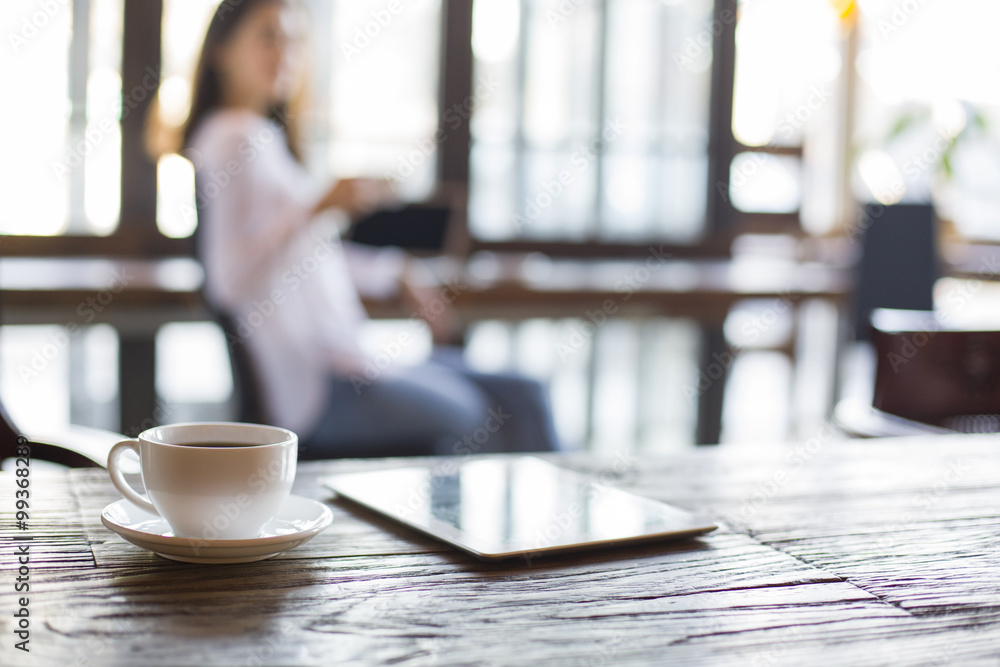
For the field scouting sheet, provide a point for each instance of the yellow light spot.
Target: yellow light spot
(846, 9)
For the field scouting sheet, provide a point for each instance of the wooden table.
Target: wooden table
(139, 296)
(837, 553)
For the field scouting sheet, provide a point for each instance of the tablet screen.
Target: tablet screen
(514, 506)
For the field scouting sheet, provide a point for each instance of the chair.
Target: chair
(897, 269)
(246, 379)
(899, 262)
(936, 373)
(73, 446)
(416, 227)
(377, 231)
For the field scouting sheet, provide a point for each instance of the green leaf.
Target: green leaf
(902, 124)
(946, 164)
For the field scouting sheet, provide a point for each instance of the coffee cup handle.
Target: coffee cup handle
(118, 479)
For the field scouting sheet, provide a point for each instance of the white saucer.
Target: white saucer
(299, 520)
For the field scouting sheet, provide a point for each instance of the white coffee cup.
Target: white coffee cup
(211, 480)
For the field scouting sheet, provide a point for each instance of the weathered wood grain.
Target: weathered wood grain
(861, 553)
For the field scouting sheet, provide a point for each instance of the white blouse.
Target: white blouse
(286, 280)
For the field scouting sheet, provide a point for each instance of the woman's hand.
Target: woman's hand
(431, 305)
(357, 196)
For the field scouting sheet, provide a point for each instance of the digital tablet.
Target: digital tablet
(520, 506)
(414, 227)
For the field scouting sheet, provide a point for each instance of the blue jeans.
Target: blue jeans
(437, 408)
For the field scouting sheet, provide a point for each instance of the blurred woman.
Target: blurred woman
(276, 267)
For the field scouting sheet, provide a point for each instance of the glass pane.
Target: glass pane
(616, 382)
(658, 82)
(102, 177)
(558, 201)
(765, 183)
(682, 183)
(788, 92)
(184, 26)
(383, 108)
(192, 364)
(61, 169)
(493, 191)
(787, 59)
(555, 156)
(176, 215)
(635, 53)
(559, 84)
(34, 176)
(494, 183)
(928, 118)
(34, 375)
(373, 98)
(629, 187)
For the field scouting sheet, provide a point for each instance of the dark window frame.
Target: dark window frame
(138, 236)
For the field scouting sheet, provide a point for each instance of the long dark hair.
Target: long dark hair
(207, 88)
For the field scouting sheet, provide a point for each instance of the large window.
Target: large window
(372, 73)
(380, 91)
(184, 26)
(591, 119)
(928, 116)
(60, 69)
(782, 102)
(373, 110)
